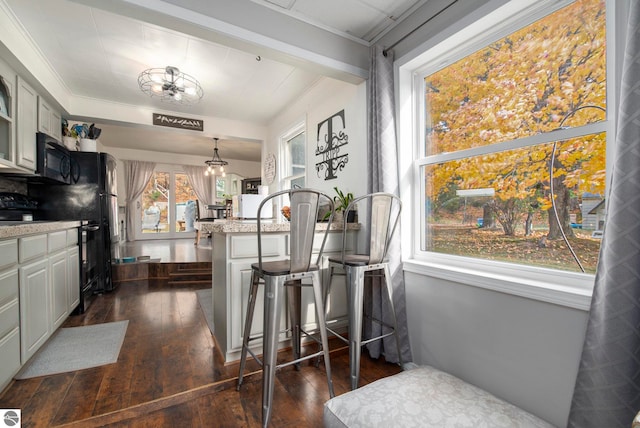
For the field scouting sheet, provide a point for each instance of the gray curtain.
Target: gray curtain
(136, 177)
(202, 185)
(607, 391)
(382, 158)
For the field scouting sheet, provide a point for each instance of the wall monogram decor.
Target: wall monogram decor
(333, 134)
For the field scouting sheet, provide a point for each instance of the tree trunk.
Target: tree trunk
(488, 218)
(528, 224)
(562, 207)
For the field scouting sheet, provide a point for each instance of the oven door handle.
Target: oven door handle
(91, 228)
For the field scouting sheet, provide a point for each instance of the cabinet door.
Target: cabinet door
(59, 297)
(27, 125)
(73, 278)
(56, 125)
(44, 116)
(34, 307)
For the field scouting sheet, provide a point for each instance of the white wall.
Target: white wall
(326, 98)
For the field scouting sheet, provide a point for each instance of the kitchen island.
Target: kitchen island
(234, 248)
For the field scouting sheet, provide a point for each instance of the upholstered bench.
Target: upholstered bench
(424, 397)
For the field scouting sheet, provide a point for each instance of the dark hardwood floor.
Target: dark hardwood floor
(169, 373)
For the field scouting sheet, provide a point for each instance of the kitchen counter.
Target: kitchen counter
(11, 229)
(249, 226)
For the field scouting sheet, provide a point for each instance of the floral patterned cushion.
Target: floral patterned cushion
(424, 397)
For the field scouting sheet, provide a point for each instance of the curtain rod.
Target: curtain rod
(384, 52)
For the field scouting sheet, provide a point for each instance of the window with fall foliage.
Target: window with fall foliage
(513, 165)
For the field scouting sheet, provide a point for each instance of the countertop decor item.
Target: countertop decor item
(170, 85)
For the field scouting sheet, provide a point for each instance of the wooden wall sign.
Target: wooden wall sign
(178, 122)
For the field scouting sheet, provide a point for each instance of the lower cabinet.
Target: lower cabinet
(58, 272)
(39, 287)
(73, 277)
(233, 254)
(9, 317)
(34, 307)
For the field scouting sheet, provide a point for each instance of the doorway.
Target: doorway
(166, 208)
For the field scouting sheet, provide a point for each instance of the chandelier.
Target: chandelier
(170, 84)
(215, 161)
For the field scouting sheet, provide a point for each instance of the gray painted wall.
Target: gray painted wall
(524, 351)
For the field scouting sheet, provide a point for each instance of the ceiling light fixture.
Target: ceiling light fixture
(216, 161)
(170, 84)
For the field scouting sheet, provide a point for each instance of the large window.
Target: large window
(513, 140)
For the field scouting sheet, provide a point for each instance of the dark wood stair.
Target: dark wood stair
(190, 276)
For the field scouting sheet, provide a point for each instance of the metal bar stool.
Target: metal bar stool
(289, 273)
(383, 212)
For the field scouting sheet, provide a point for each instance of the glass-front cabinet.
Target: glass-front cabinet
(7, 122)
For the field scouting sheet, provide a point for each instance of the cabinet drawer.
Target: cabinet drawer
(8, 286)
(57, 240)
(8, 252)
(32, 247)
(243, 246)
(9, 317)
(72, 237)
(10, 351)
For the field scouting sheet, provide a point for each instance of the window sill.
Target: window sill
(571, 290)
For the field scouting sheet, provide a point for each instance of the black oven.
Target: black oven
(89, 239)
(53, 161)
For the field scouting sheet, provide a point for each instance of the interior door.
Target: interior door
(166, 208)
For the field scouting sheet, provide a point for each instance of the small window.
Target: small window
(294, 158)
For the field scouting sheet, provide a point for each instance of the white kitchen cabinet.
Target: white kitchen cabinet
(39, 287)
(233, 254)
(49, 119)
(26, 125)
(58, 271)
(35, 319)
(73, 279)
(7, 115)
(9, 314)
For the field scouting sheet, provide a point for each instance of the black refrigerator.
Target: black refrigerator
(91, 198)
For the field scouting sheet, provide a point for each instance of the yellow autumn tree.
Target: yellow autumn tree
(549, 75)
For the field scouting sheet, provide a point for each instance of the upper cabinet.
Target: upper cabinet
(49, 120)
(27, 125)
(7, 116)
(23, 112)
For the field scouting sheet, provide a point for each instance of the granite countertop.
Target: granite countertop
(251, 226)
(15, 229)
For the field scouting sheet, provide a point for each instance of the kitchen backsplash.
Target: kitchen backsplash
(14, 186)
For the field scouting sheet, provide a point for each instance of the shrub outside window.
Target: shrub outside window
(513, 165)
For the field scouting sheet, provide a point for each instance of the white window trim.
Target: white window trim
(298, 128)
(567, 289)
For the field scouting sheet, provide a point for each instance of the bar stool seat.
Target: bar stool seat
(287, 274)
(383, 212)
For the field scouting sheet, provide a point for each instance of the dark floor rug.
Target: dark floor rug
(77, 348)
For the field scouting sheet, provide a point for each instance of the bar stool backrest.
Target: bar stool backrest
(383, 214)
(304, 205)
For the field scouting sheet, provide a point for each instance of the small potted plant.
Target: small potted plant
(341, 202)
